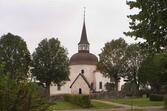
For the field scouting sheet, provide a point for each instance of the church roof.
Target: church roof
(84, 39)
(84, 78)
(83, 59)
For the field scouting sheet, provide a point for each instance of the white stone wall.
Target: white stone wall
(74, 71)
(80, 83)
(100, 78)
(64, 89)
(88, 71)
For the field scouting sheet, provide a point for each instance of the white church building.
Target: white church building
(84, 77)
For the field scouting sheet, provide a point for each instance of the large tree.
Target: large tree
(133, 59)
(112, 59)
(149, 23)
(14, 56)
(154, 72)
(50, 63)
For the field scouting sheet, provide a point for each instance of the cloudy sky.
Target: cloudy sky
(35, 20)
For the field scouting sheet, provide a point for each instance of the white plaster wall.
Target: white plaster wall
(100, 78)
(80, 83)
(64, 89)
(74, 71)
(88, 71)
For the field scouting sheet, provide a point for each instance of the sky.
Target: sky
(35, 20)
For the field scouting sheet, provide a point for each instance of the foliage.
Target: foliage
(129, 89)
(14, 56)
(81, 100)
(110, 86)
(156, 97)
(134, 56)
(50, 63)
(112, 59)
(149, 23)
(19, 96)
(154, 72)
(165, 101)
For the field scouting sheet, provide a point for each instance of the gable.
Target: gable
(79, 77)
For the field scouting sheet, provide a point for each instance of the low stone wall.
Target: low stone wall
(57, 97)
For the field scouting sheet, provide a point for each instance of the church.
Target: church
(84, 77)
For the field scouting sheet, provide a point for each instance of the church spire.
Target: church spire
(83, 45)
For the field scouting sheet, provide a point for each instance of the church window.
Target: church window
(58, 87)
(82, 71)
(80, 91)
(100, 85)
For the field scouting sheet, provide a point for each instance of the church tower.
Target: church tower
(83, 45)
(83, 57)
(84, 78)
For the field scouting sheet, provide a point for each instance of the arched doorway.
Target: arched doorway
(80, 91)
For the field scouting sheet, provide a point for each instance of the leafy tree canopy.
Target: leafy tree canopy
(154, 72)
(134, 56)
(112, 59)
(149, 23)
(14, 56)
(50, 62)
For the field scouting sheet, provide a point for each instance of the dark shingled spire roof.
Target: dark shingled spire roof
(84, 39)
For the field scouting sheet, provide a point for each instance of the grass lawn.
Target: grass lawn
(63, 105)
(100, 105)
(138, 102)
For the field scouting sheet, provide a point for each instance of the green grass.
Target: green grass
(138, 102)
(100, 105)
(63, 105)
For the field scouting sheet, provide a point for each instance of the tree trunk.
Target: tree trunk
(48, 90)
(116, 85)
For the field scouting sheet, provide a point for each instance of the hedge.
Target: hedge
(165, 101)
(156, 97)
(81, 100)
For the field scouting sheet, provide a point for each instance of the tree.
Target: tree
(154, 72)
(134, 57)
(112, 59)
(14, 56)
(50, 63)
(149, 23)
(21, 96)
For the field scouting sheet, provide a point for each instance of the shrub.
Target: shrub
(165, 101)
(156, 97)
(81, 100)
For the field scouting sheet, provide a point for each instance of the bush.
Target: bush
(156, 97)
(20, 96)
(81, 100)
(165, 101)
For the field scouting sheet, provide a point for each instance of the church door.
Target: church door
(80, 91)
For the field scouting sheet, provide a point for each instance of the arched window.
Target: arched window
(100, 85)
(80, 91)
(82, 71)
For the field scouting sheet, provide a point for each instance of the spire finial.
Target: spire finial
(84, 12)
